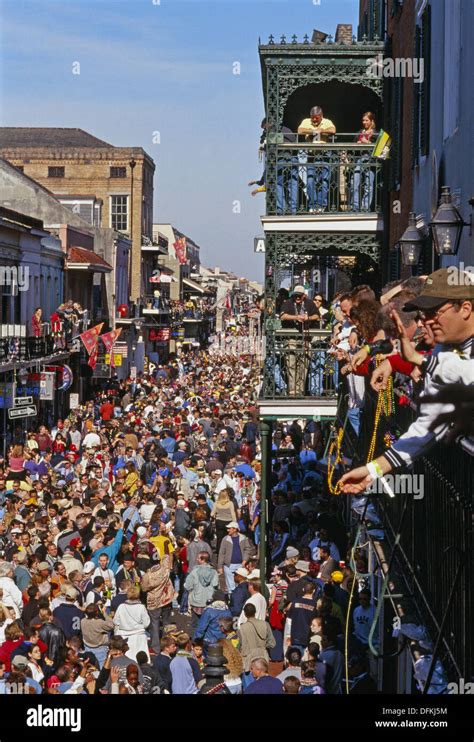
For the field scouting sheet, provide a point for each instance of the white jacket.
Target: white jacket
(444, 367)
(131, 618)
(13, 593)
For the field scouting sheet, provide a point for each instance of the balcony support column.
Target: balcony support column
(266, 450)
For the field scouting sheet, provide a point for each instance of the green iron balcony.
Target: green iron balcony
(299, 365)
(332, 178)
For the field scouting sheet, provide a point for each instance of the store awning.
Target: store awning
(79, 258)
(193, 285)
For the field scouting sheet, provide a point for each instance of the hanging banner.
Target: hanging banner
(92, 362)
(109, 339)
(90, 337)
(180, 250)
(47, 385)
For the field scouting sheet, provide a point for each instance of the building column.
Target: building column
(265, 486)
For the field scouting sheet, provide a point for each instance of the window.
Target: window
(425, 85)
(452, 67)
(55, 172)
(396, 118)
(118, 172)
(119, 213)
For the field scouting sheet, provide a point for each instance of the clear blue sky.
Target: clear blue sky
(166, 67)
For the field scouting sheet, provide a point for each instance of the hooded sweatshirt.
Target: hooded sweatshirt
(201, 583)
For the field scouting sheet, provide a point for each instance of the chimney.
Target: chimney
(344, 33)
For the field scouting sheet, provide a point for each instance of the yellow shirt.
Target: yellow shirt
(325, 124)
(163, 545)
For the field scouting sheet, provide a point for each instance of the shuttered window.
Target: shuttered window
(425, 86)
(415, 141)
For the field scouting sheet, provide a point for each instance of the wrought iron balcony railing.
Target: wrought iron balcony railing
(298, 366)
(428, 526)
(334, 177)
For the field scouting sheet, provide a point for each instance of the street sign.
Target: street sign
(22, 401)
(15, 412)
(259, 244)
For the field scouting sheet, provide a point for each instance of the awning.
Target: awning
(79, 258)
(193, 285)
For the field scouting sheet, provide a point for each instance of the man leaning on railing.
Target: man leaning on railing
(447, 307)
(317, 129)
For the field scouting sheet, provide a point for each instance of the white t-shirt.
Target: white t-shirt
(260, 604)
(90, 440)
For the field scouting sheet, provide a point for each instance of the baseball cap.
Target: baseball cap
(302, 566)
(89, 567)
(141, 531)
(299, 289)
(233, 524)
(443, 285)
(19, 661)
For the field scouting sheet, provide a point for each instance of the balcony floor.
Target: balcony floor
(327, 222)
(290, 409)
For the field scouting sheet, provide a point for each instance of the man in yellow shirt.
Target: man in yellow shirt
(317, 129)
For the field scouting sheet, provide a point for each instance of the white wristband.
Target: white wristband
(372, 470)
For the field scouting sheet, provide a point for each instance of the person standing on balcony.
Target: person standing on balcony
(317, 129)
(363, 175)
(297, 313)
(446, 303)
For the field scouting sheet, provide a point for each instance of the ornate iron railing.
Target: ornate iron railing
(337, 177)
(434, 549)
(298, 366)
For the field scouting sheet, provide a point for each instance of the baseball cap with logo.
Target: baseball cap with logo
(445, 284)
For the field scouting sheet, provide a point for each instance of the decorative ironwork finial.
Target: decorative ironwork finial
(271, 40)
(306, 39)
(294, 39)
(283, 39)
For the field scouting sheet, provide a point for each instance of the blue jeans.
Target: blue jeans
(353, 416)
(318, 186)
(287, 185)
(100, 653)
(362, 186)
(229, 576)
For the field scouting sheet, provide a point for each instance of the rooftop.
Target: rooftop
(30, 136)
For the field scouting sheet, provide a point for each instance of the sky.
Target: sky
(166, 67)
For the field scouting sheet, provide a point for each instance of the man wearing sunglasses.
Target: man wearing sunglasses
(446, 304)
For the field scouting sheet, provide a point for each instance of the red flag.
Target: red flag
(109, 339)
(90, 337)
(92, 362)
(180, 250)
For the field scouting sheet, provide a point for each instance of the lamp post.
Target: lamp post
(411, 242)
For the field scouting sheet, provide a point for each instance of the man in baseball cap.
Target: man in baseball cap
(298, 313)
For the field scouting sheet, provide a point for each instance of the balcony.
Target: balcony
(425, 537)
(300, 375)
(16, 347)
(333, 186)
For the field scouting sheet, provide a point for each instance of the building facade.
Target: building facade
(110, 187)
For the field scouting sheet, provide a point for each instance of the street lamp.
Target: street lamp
(447, 225)
(411, 242)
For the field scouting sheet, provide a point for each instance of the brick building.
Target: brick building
(109, 186)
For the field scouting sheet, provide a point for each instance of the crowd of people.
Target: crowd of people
(130, 531)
